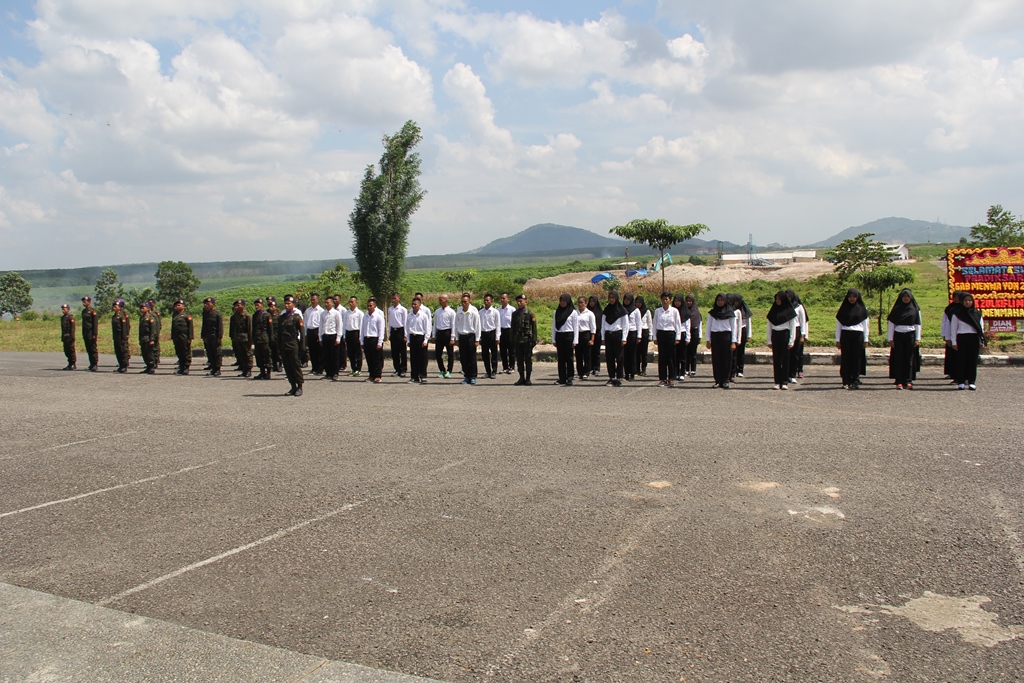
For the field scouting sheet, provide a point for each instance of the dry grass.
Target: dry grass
(649, 288)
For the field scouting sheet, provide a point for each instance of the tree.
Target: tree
(1001, 229)
(108, 289)
(386, 202)
(135, 297)
(459, 279)
(14, 293)
(857, 254)
(334, 281)
(882, 279)
(657, 234)
(611, 284)
(175, 280)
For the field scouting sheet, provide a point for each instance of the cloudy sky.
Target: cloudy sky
(209, 130)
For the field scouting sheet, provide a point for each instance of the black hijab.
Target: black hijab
(614, 311)
(741, 305)
(641, 306)
(692, 311)
(723, 312)
(781, 313)
(594, 306)
(905, 314)
(971, 316)
(953, 305)
(849, 314)
(562, 313)
(795, 299)
(627, 302)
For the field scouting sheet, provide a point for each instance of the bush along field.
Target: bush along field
(40, 331)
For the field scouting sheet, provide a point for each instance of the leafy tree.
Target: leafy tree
(459, 279)
(857, 254)
(612, 283)
(14, 293)
(175, 280)
(496, 283)
(657, 234)
(1001, 229)
(386, 202)
(107, 290)
(882, 279)
(136, 297)
(333, 281)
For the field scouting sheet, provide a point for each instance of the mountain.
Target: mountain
(550, 237)
(895, 229)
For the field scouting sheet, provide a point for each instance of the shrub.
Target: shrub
(29, 315)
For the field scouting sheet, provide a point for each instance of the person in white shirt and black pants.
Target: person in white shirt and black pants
(722, 333)
(330, 343)
(782, 331)
(671, 335)
(311, 321)
(588, 333)
(467, 331)
(614, 328)
(565, 335)
(417, 328)
(397, 313)
(372, 338)
(507, 348)
(444, 320)
(967, 329)
(490, 321)
(352, 323)
(852, 329)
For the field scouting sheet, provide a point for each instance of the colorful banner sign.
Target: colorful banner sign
(994, 276)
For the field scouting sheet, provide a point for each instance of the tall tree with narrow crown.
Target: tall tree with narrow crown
(386, 202)
(657, 234)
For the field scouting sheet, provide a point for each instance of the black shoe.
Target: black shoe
(725, 385)
(73, 367)
(94, 368)
(215, 373)
(298, 391)
(185, 371)
(150, 371)
(519, 382)
(568, 383)
(528, 383)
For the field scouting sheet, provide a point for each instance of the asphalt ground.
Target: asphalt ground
(544, 533)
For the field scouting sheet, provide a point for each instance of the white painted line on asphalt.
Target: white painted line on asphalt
(76, 443)
(130, 483)
(109, 488)
(234, 551)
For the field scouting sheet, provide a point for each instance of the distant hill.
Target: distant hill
(895, 229)
(551, 238)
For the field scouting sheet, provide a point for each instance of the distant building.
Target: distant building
(899, 252)
(776, 257)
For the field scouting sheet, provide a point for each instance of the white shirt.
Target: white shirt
(958, 326)
(668, 321)
(490, 319)
(396, 316)
(467, 322)
(505, 313)
(801, 319)
(330, 322)
(790, 325)
(863, 326)
(620, 325)
(916, 329)
(444, 319)
(634, 320)
(373, 326)
(352, 321)
(587, 321)
(311, 318)
(418, 323)
(729, 325)
(645, 320)
(571, 324)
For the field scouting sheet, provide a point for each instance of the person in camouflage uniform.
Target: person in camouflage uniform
(182, 334)
(240, 332)
(212, 333)
(262, 335)
(524, 338)
(147, 333)
(292, 339)
(121, 329)
(90, 330)
(67, 335)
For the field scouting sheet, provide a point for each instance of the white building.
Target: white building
(899, 252)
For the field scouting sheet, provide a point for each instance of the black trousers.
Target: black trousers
(122, 352)
(313, 349)
(69, 351)
(796, 355)
(642, 347)
(902, 356)
(275, 356)
(467, 355)
(263, 356)
(950, 364)
(443, 342)
(489, 351)
(781, 357)
(399, 354)
(212, 346)
(689, 363)
(851, 355)
(739, 361)
(721, 356)
(563, 351)
(241, 350)
(666, 354)
(183, 350)
(595, 354)
(613, 354)
(417, 357)
(524, 360)
(329, 352)
(968, 347)
(629, 356)
(374, 357)
(355, 351)
(508, 352)
(583, 352)
(92, 349)
(292, 363)
(341, 351)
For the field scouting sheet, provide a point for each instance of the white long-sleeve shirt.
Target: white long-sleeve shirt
(620, 325)
(467, 322)
(352, 321)
(791, 325)
(587, 321)
(444, 319)
(571, 324)
(490, 319)
(634, 321)
(418, 323)
(730, 325)
(646, 320)
(374, 325)
(916, 329)
(863, 326)
(669, 321)
(958, 326)
(330, 322)
(801, 319)
(505, 313)
(311, 318)
(945, 327)
(396, 316)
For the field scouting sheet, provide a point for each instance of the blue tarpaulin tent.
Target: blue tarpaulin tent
(601, 277)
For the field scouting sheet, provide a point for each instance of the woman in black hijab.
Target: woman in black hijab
(629, 353)
(949, 364)
(679, 371)
(904, 339)
(722, 334)
(689, 364)
(594, 306)
(782, 331)
(744, 319)
(615, 323)
(565, 335)
(643, 343)
(796, 355)
(852, 328)
(968, 333)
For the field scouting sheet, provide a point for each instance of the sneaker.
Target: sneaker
(447, 375)
(377, 380)
(961, 387)
(472, 381)
(784, 387)
(298, 391)
(846, 386)
(661, 383)
(739, 374)
(440, 375)
(465, 381)
(777, 386)
(972, 387)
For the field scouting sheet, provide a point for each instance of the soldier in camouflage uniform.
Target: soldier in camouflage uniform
(147, 332)
(212, 332)
(67, 335)
(292, 339)
(275, 347)
(524, 338)
(240, 332)
(121, 329)
(181, 335)
(90, 330)
(262, 334)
